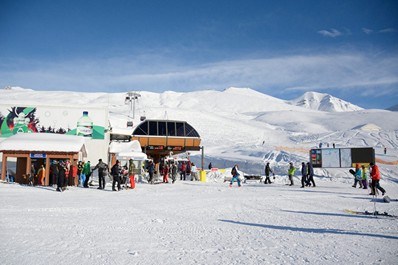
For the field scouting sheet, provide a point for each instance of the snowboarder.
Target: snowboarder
(375, 174)
(235, 175)
(304, 173)
(115, 172)
(310, 175)
(290, 173)
(102, 169)
(268, 170)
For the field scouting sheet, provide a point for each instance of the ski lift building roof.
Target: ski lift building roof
(160, 137)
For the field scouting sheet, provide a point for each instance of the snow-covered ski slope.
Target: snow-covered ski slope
(210, 223)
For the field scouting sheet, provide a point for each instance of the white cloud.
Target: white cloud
(367, 31)
(275, 75)
(387, 30)
(333, 33)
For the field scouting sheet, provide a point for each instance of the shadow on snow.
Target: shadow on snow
(309, 230)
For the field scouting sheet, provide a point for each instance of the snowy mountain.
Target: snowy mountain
(393, 108)
(323, 102)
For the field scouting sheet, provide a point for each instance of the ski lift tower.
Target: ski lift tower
(130, 99)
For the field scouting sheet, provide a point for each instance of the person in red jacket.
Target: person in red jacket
(375, 174)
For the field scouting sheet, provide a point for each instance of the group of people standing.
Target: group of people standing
(361, 177)
(170, 168)
(307, 174)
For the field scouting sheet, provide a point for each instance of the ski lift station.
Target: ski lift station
(32, 136)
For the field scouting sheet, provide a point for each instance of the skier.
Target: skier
(102, 169)
(304, 173)
(267, 173)
(115, 172)
(235, 175)
(310, 176)
(210, 166)
(290, 173)
(358, 176)
(375, 174)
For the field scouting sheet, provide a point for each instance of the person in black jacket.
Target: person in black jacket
(115, 171)
(267, 174)
(303, 174)
(102, 169)
(62, 180)
(310, 175)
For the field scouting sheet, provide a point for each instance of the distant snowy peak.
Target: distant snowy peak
(393, 108)
(323, 102)
(17, 88)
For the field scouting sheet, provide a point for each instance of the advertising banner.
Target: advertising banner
(89, 122)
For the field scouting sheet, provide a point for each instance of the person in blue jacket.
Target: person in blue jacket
(235, 175)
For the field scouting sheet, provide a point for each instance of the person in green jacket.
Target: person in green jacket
(290, 172)
(87, 173)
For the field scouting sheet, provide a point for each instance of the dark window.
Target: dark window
(153, 128)
(142, 129)
(171, 129)
(162, 128)
(180, 129)
(190, 131)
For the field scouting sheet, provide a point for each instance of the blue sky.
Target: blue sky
(282, 48)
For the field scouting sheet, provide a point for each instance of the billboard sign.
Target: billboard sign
(89, 122)
(342, 157)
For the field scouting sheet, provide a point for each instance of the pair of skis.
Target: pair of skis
(375, 213)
